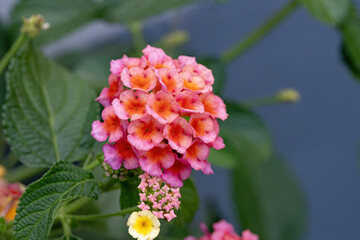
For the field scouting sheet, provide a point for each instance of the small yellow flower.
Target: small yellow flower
(143, 225)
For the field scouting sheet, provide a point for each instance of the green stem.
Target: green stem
(92, 165)
(75, 205)
(259, 102)
(138, 38)
(102, 216)
(23, 38)
(87, 159)
(259, 33)
(66, 227)
(23, 172)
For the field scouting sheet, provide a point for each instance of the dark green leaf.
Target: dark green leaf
(189, 201)
(268, 199)
(3, 49)
(72, 237)
(328, 11)
(350, 30)
(64, 16)
(245, 136)
(219, 71)
(2, 225)
(47, 110)
(91, 234)
(129, 193)
(42, 200)
(127, 11)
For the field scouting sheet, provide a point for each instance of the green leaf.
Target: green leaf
(72, 237)
(64, 16)
(91, 234)
(48, 111)
(219, 71)
(3, 49)
(129, 193)
(269, 200)
(42, 200)
(329, 11)
(350, 30)
(189, 201)
(245, 136)
(127, 11)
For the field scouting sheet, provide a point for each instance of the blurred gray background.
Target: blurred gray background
(319, 137)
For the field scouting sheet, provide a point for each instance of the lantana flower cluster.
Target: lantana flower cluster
(158, 197)
(10, 194)
(160, 114)
(223, 230)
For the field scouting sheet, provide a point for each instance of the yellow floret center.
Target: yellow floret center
(143, 225)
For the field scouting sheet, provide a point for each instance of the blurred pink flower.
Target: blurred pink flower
(223, 230)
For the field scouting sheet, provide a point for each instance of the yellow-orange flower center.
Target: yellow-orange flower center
(143, 225)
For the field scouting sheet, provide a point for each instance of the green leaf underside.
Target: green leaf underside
(64, 16)
(48, 111)
(42, 200)
(129, 193)
(268, 199)
(328, 11)
(189, 201)
(127, 11)
(245, 136)
(350, 30)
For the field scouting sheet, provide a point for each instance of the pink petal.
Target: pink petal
(155, 159)
(145, 133)
(163, 107)
(179, 133)
(205, 127)
(139, 79)
(214, 105)
(116, 66)
(114, 90)
(189, 102)
(247, 235)
(196, 155)
(170, 80)
(157, 58)
(121, 151)
(186, 60)
(218, 143)
(98, 131)
(131, 104)
(176, 174)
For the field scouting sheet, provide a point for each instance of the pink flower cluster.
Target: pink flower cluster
(224, 231)
(160, 114)
(9, 198)
(158, 197)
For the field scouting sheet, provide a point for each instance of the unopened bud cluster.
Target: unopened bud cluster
(158, 197)
(122, 173)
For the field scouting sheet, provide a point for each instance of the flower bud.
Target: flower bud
(288, 95)
(33, 25)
